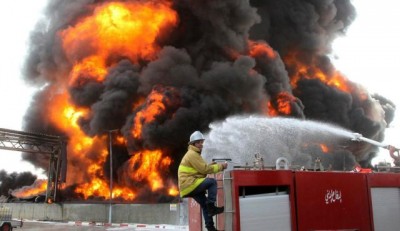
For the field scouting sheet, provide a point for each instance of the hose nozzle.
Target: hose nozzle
(357, 137)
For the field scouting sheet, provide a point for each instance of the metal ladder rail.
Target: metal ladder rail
(228, 202)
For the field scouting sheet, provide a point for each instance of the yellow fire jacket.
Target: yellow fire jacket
(193, 170)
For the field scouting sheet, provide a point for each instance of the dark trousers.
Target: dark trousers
(199, 195)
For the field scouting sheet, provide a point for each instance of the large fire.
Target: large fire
(129, 30)
(129, 81)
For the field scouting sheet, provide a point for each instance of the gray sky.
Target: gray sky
(369, 55)
(17, 19)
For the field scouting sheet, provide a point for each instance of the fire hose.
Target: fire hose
(392, 149)
(359, 137)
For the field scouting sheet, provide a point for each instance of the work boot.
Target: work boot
(211, 228)
(214, 210)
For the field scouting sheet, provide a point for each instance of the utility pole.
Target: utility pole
(111, 173)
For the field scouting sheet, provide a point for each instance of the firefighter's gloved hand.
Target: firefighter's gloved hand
(224, 165)
(392, 149)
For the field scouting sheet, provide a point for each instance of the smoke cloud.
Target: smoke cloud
(207, 60)
(9, 182)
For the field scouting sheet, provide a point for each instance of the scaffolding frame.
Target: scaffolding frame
(54, 146)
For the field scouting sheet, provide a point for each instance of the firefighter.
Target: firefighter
(193, 180)
(396, 157)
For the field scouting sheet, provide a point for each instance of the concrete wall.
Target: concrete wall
(173, 214)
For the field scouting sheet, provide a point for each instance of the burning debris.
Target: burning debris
(10, 183)
(158, 70)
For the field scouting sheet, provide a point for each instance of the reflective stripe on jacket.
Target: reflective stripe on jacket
(193, 169)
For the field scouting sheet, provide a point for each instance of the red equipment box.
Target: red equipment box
(332, 201)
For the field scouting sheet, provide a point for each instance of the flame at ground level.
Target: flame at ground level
(39, 187)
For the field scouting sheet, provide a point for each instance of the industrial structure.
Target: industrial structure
(255, 197)
(55, 147)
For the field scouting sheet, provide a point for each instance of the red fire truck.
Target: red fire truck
(283, 199)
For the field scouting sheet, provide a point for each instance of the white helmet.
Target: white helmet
(196, 136)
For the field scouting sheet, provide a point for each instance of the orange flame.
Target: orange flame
(312, 71)
(154, 106)
(99, 188)
(259, 49)
(324, 148)
(80, 145)
(120, 140)
(145, 167)
(129, 29)
(37, 188)
(92, 66)
(115, 29)
(173, 191)
(65, 116)
(281, 105)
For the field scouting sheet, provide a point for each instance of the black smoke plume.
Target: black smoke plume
(206, 70)
(14, 180)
